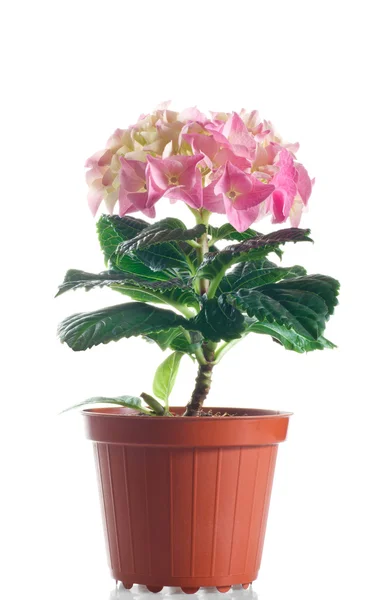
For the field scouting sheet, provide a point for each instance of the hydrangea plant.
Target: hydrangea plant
(198, 290)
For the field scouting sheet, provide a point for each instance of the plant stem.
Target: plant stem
(222, 351)
(200, 356)
(202, 387)
(206, 354)
(203, 218)
(203, 381)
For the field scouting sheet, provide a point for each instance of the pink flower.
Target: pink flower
(212, 201)
(133, 193)
(202, 144)
(285, 191)
(304, 183)
(304, 190)
(176, 178)
(241, 193)
(102, 177)
(192, 114)
(216, 148)
(233, 134)
(227, 163)
(293, 188)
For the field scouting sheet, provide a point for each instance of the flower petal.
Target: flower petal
(100, 159)
(240, 219)
(304, 183)
(192, 114)
(132, 174)
(259, 193)
(156, 171)
(95, 198)
(212, 201)
(296, 212)
(237, 133)
(193, 196)
(234, 178)
(277, 207)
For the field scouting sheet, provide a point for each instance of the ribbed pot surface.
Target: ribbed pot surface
(185, 500)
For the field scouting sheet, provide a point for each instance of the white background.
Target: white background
(73, 72)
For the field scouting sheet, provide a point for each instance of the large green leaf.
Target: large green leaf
(176, 297)
(322, 285)
(126, 401)
(165, 376)
(158, 257)
(288, 337)
(228, 232)
(166, 230)
(257, 273)
(216, 263)
(116, 231)
(75, 279)
(218, 320)
(303, 304)
(113, 231)
(84, 330)
(171, 291)
(175, 339)
(281, 236)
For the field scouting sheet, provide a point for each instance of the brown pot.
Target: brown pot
(185, 500)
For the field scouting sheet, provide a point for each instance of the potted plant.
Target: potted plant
(185, 490)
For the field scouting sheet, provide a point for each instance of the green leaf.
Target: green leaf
(127, 401)
(218, 320)
(164, 339)
(302, 304)
(177, 296)
(216, 263)
(289, 338)
(113, 230)
(158, 258)
(322, 285)
(153, 263)
(257, 273)
(75, 279)
(153, 403)
(174, 291)
(228, 232)
(281, 236)
(165, 376)
(175, 339)
(162, 256)
(167, 230)
(84, 330)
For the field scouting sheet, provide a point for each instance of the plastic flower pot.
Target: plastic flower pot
(185, 500)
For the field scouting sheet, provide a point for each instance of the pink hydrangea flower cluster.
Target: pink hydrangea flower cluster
(230, 163)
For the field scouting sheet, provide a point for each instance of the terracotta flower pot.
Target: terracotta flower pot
(185, 500)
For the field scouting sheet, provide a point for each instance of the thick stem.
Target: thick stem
(203, 380)
(202, 387)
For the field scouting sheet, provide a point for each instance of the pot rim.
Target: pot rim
(123, 412)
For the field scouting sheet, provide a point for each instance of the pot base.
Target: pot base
(155, 589)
